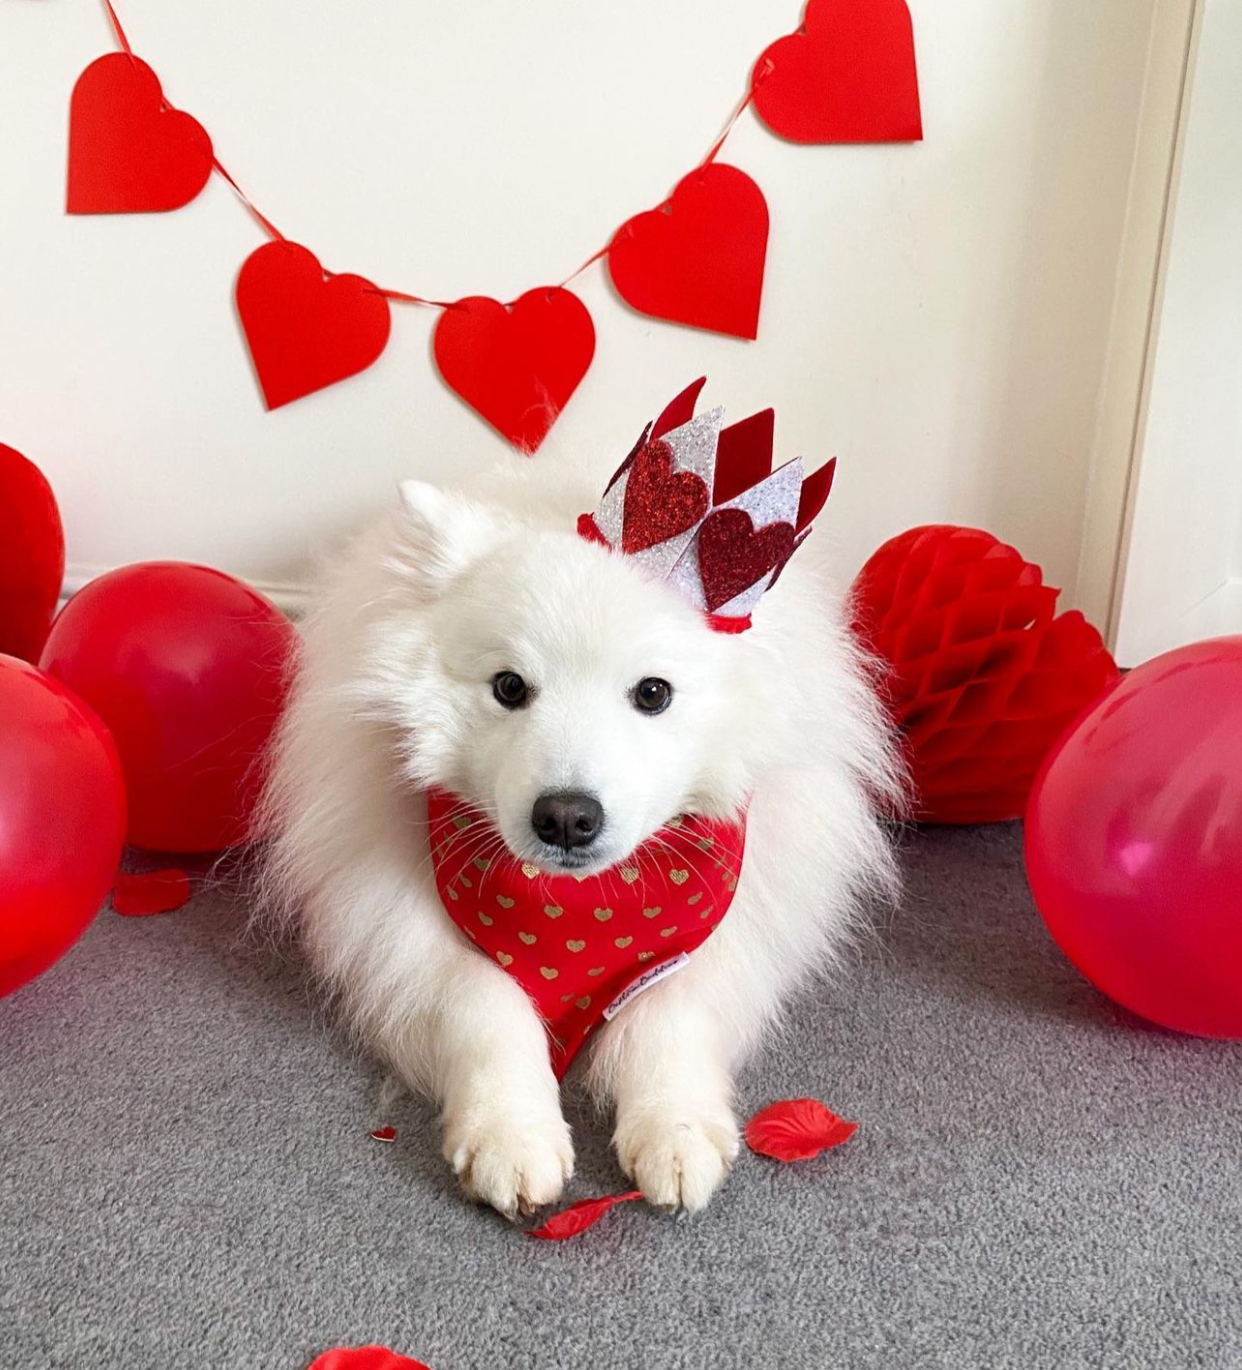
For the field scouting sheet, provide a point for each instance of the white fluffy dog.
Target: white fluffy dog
(400, 688)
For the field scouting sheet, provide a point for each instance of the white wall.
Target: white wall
(1183, 573)
(935, 314)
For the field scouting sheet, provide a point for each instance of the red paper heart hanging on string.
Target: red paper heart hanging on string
(983, 678)
(659, 504)
(129, 153)
(517, 365)
(306, 328)
(734, 554)
(847, 76)
(699, 258)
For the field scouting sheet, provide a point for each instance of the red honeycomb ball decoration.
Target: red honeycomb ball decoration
(983, 675)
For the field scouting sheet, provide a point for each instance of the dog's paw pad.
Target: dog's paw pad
(515, 1165)
(678, 1163)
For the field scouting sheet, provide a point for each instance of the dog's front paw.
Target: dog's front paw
(514, 1161)
(676, 1157)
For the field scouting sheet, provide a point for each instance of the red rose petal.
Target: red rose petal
(796, 1130)
(136, 895)
(387, 1133)
(577, 1218)
(364, 1358)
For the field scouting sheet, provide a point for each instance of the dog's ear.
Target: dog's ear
(440, 532)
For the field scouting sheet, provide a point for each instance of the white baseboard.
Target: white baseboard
(291, 599)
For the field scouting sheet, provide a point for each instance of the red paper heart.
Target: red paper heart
(128, 152)
(306, 328)
(699, 258)
(517, 365)
(144, 892)
(847, 76)
(796, 1130)
(569, 1222)
(659, 504)
(364, 1358)
(734, 554)
(32, 556)
(387, 1133)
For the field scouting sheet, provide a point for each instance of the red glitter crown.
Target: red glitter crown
(699, 506)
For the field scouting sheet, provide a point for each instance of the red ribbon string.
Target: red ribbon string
(267, 225)
(594, 257)
(118, 30)
(401, 296)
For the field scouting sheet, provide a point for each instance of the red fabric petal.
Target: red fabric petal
(364, 1358)
(150, 892)
(578, 1217)
(796, 1130)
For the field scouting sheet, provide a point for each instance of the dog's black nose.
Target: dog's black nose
(567, 818)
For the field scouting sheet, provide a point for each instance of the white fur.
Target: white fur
(394, 694)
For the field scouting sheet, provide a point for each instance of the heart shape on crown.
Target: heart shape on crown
(733, 553)
(658, 503)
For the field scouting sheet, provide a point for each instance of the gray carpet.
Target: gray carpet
(187, 1180)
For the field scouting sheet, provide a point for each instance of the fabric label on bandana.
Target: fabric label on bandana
(645, 981)
(581, 949)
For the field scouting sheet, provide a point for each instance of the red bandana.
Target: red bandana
(581, 948)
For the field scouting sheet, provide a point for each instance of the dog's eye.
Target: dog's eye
(652, 695)
(510, 689)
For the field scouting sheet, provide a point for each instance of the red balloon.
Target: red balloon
(62, 820)
(188, 668)
(1134, 840)
(32, 556)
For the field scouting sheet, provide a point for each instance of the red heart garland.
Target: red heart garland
(847, 76)
(734, 554)
(699, 258)
(306, 328)
(518, 364)
(659, 504)
(129, 153)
